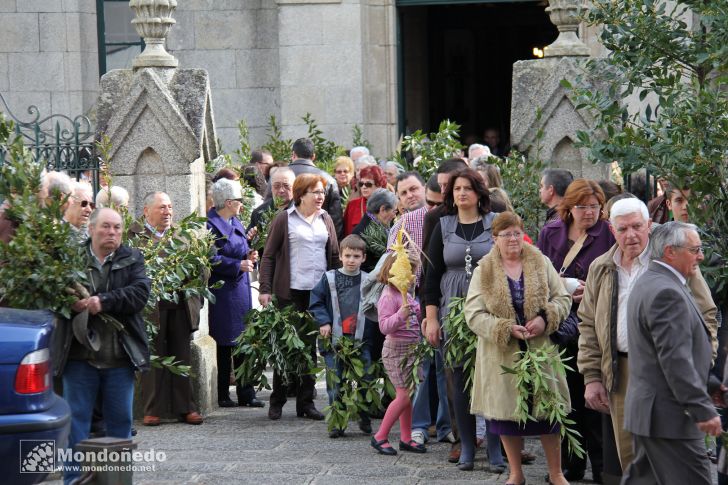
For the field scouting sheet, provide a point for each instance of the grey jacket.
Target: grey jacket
(669, 359)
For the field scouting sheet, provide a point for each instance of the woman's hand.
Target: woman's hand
(252, 233)
(432, 333)
(253, 256)
(578, 292)
(536, 327)
(247, 266)
(519, 331)
(264, 299)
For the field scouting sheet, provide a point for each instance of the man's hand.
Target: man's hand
(711, 427)
(80, 305)
(432, 332)
(596, 397)
(325, 330)
(264, 299)
(94, 305)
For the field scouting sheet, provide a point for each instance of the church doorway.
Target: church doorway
(456, 58)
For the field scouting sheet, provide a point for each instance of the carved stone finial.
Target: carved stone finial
(566, 16)
(152, 23)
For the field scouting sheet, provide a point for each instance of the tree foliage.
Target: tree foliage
(433, 148)
(673, 58)
(43, 259)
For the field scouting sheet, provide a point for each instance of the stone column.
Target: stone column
(537, 86)
(160, 123)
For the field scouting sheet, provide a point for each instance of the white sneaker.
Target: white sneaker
(449, 438)
(418, 436)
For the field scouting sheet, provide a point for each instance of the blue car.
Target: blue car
(34, 421)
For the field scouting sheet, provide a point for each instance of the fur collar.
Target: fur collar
(494, 283)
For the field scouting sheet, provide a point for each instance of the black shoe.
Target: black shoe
(253, 403)
(572, 475)
(597, 477)
(226, 403)
(465, 466)
(275, 412)
(412, 447)
(378, 445)
(365, 426)
(336, 433)
(310, 413)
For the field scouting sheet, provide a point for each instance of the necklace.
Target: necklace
(468, 245)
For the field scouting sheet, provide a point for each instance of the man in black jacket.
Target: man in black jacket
(303, 157)
(102, 357)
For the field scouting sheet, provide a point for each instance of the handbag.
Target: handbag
(568, 330)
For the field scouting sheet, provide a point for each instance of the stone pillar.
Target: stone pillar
(537, 86)
(160, 123)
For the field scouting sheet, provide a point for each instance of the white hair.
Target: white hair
(365, 161)
(628, 206)
(82, 186)
(119, 197)
(57, 181)
(478, 146)
(673, 233)
(223, 190)
(363, 150)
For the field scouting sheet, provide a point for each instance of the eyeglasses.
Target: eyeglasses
(281, 186)
(592, 207)
(511, 235)
(238, 200)
(342, 171)
(692, 249)
(320, 193)
(85, 203)
(368, 185)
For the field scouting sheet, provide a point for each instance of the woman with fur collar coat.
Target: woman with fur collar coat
(515, 295)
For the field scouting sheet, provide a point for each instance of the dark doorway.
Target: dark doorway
(456, 63)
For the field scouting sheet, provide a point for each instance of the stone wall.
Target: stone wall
(48, 55)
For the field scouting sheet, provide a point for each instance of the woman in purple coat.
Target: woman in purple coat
(231, 265)
(581, 225)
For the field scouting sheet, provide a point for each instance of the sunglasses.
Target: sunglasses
(86, 203)
(368, 185)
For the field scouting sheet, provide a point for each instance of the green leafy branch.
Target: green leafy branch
(433, 148)
(536, 375)
(376, 235)
(271, 339)
(462, 344)
(419, 353)
(357, 391)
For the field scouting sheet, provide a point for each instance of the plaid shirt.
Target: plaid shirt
(413, 222)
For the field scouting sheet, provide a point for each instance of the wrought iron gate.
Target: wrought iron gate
(59, 142)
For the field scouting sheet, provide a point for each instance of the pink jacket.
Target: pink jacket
(391, 322)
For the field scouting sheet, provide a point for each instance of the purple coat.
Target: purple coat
(553, 242)
(233, 299)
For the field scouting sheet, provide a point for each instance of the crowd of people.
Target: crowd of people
(609, 283)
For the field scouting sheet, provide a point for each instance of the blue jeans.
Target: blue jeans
(332, 389)
(81, 384)
(421, 418)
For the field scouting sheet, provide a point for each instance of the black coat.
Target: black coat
(125, 301)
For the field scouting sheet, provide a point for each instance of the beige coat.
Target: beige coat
(490, 315)
(598, 328)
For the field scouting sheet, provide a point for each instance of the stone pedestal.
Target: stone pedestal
(160, 125)
(537, 85)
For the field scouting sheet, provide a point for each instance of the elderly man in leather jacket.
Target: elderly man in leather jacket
(105, 362)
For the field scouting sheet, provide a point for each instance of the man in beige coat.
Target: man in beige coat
(603, 343)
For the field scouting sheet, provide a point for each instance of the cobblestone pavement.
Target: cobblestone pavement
(241, 445)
